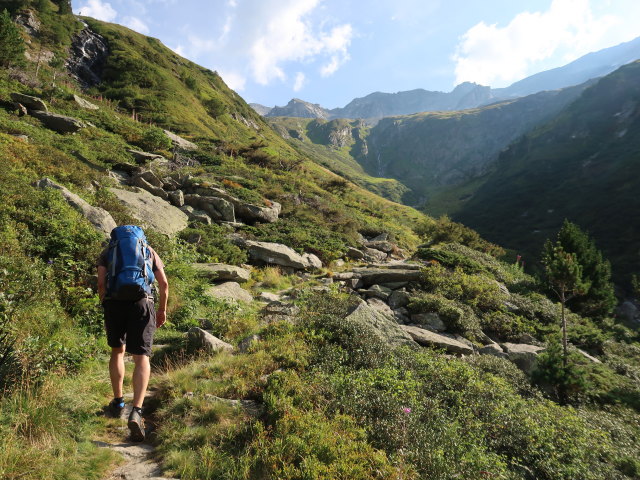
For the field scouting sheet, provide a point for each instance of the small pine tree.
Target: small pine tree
(600, 299)
(64, 7)
(564, 275)
(11, 42)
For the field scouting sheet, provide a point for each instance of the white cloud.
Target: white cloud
(497, 56)
(98, 9)
(136, 24)
(234, 80)
(179, 49)
(299, 82)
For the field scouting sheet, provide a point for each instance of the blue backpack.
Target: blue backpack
(130, 264)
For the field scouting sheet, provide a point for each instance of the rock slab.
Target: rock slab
(222, 272)
(382, 325)
(229, 291)
(432, 339)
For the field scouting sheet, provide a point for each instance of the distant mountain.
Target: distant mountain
(583, 165)
(260, 109)
(468, 95)
(300, 108)
(592, 65)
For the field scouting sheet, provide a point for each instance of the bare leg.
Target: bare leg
(141, 374)
(116, 370)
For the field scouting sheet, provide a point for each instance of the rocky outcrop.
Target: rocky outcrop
(179, 142)
(278, 254)
(31, 103)
(218, 208)
(101, 220)
(431, 339)
(144, 157)
(382, 325)
(221, 272)
(523, 355)
(151, 211)
(199, 339)
(371, 276)
(85, 103)
(429, 321)
(58, 123)
(231, 291)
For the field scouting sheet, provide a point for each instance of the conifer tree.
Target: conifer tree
(600, 299)
(11, 42)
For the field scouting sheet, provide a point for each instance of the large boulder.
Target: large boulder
(180, 142)
(222, 272)
(525, 356)
(371, 276)
(430, 321)
(199, 339)
(141, 182)
(248, 212)
(144, 157)
(32, 103)
(277, 254)
(101, 220)
(229, 291)
(432, 339)
(58, 123)
(219, 208)
(151, 211)
(385, 327)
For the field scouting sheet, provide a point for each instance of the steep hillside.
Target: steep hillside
(583, 165)
(315, 330)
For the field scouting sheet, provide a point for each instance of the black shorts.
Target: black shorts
(130, 323)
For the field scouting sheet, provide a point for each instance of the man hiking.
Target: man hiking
(126, 270)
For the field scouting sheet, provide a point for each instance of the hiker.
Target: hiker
(126, 270)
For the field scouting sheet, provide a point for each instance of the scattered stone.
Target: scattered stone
(139, 181)
(200, 216)
(176, 198)
(394, 285)
(383, 237)
(222, 272)
(432, 339)
(523, 355)
(282, 308)
(128, 168)
(354, 253)
(398, 299)
(276, 254)
(338, 263)
(377, 291)
(123, 178)
(180, 142)
(144, 157)
(326, 281)
(372, 276)
(373, 255)
(32, 103)
(380, 306)
(58, 123)
(383, 246)
(269, 297)
(152, 178)
(385, 327)
(85, 103)
(251, 407)
(170, 184)
(312, 260)
(343, 276)
(199, 339)
(246, 342)
(430, 321)
(151, 211)
(101, 220)
(493, 349)
(229, 291)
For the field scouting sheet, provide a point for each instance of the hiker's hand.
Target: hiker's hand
(161, 317)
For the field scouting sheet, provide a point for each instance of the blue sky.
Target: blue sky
(331, 51)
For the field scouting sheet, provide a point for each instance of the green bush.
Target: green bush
(212, 245)
(154, 139)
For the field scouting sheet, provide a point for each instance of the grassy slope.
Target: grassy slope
(582, 165)
(46, 255)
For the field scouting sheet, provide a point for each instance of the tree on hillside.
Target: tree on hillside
(11, 42)
(64, 7)
(564, 274)
(600, 299)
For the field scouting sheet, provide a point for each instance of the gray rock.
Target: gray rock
(432, 339)
(58, 123)
(101, 220)
(251, 407)
(398, 299)
(276, 254)
(373, 255)
(430, 321)
(343, 275)
(85, 103)
(401, 265)
(371, 276)
(523, 355)
(377, 291)
(176, 198)
(199, 339)
(282, 308)
(312, 260)
(221, 272)
(269, 297)
(394, 285)
(200, 216)
(231, 291)
(139, 181)
(326, 281)
(383, 237)
(170, 184)
(151, 211)
(246, 342)
(384, 327)
(180, 142)
(144, 157)
(152, 178)
(493, 349)
(383, 246)
(338, 263)
(354, 253)
(380, 306)
(32, 103)
(123, 178)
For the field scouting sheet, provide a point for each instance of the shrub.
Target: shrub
(154, 138)
(212, 244)
(443, 230)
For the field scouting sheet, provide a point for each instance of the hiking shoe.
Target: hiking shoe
(116, 407)
(136, 425)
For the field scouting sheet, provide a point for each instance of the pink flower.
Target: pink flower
(406, 410)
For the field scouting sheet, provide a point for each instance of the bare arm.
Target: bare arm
(102, 282)
(163, 287)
